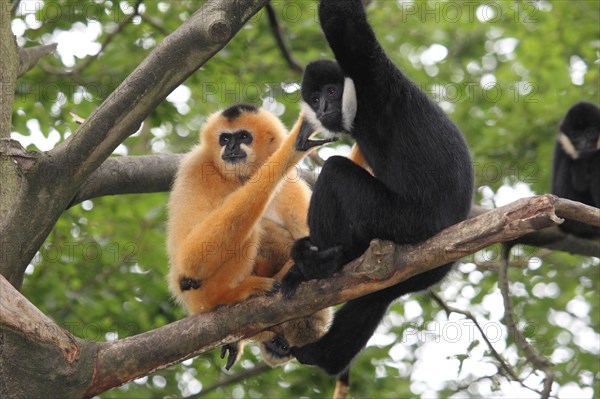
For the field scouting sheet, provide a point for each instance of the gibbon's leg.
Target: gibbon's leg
(275, 244)
(335, 350)
(324, 261)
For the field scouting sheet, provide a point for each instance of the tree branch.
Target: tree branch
(276, 29)
(18, 314)
(8, 69)
(383, 264)
(503, 366)
(130, 175)
(532, 356)
(29, 57)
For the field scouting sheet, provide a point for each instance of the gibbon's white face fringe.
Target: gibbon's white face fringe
(568, 146)
(349, 104)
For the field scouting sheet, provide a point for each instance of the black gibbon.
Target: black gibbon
(421, 181)
(576, 169)
(233, 216)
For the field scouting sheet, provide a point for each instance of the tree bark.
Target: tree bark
(9, 65)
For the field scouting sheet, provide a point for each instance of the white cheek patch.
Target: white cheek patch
(312, 119)
(349, 104)
(567, 145)
(250, 157)
(310, 115)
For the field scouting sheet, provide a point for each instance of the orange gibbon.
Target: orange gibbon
(235, 210)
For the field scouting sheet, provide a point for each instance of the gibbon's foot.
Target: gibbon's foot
(278, 347)
(314, 356)
(314, 262)
(291, 281)
(310, 263)
(232, 356)
(276, 288)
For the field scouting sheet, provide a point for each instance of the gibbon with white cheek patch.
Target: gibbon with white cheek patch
(233, 215)
(576, 167)
(421, 180)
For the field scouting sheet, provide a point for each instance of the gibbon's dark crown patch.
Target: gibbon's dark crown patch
(581, 116)
(233, 112)
(318, 74)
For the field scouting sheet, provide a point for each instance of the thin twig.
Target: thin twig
(276, 29)
(532, 356)
(449, 309)
(29, 57)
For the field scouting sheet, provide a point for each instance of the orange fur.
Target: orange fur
(357, 157)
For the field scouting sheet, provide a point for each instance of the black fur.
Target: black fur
(321, 72)
(423, 183)
(579, 179)
(236, 110)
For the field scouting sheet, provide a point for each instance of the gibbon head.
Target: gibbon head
(328, 97)
(580, 130)
(276, 342)
(241, 138)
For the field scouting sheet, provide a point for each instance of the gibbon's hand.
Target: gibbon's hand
(232, 356)
(303, 142)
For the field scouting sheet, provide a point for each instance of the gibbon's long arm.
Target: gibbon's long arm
(353, 41)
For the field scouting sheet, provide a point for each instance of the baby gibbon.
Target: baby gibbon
(235, 210)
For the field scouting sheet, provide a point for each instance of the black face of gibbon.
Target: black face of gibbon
(232, 143)
(576, 168)
(322, 94)
(582, 127)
